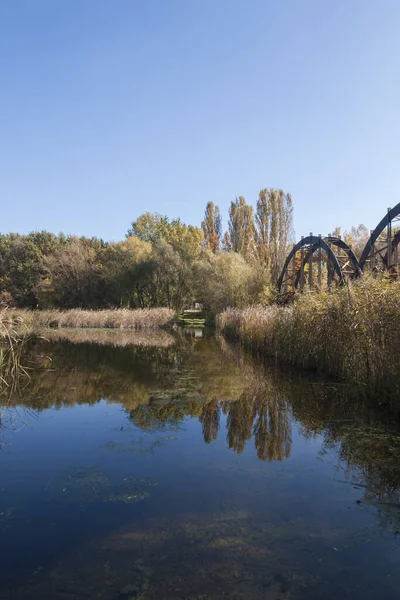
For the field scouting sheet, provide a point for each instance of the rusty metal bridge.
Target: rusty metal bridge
(315, 260)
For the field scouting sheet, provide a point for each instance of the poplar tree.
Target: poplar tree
(274, 229)
(212, 227)
(241, 228)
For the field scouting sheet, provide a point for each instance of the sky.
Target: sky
(111, 108)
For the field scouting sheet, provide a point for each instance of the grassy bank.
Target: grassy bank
(152, 318)
(352, 333)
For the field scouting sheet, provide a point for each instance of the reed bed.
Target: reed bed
(352, 333)
(14, 336)
(152, 318)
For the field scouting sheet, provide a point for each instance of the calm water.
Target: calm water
(186, 470)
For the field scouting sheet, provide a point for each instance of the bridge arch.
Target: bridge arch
(386, 222)
(311, 243)
(348, 261)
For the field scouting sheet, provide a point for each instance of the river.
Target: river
(178, 467)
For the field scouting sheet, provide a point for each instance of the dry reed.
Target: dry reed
(152, 318)
(352, 333)
(14, 335)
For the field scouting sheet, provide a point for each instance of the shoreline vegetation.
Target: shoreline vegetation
(19, 326)
(144, 282)
(351, 334)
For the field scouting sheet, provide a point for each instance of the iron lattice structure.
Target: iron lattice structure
(315, 258)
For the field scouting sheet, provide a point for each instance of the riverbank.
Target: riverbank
(352, 333)
(139, 319)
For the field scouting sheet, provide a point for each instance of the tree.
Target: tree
(241, 228)
(357, 238)
(274, 229)
(212, 227)
(226, 242)
(121, 266)
(149, 227)
(185, 239)
(72, 275)
(22, 263)
(227, 279)
(171, 276)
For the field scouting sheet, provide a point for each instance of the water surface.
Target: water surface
(187, 470)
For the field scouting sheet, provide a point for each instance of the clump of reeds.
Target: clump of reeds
(14, 335)
(149, 318)
(352, 333)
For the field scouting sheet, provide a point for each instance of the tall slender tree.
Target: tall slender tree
(274, 229)
(212, 227)
(241, 227)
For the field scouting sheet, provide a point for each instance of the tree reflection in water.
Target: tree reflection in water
(237, 542)
(224, 388)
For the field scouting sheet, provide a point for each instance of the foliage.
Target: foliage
(241, 228)
(184, 239)
(121, 266)
(14, 336)
(71, 275)
(274, 229)
(227, 280)
(212, 227)
(161, 262)
(356, 238)
(151, 318)
(22, 263)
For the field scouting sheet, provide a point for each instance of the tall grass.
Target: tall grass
(352, 333)
(151, 318)
(14, 336)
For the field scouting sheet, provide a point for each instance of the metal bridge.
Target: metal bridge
(316, 259)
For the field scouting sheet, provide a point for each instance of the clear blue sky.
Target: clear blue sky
(112, 108)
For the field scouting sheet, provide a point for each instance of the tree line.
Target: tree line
(161, 262)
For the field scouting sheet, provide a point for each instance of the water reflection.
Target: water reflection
(160, 387)
(312, 474)
(208, 379)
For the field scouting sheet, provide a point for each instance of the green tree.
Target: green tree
(121, 266)
(149, 227)
(227, 279)
(185, 239)
(22, 263)
(171, 277)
